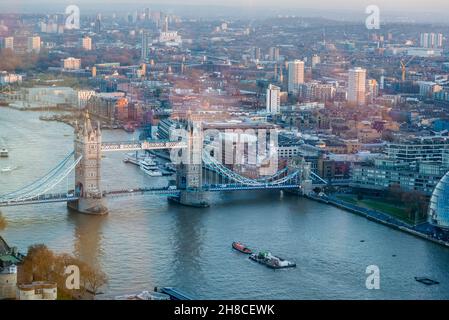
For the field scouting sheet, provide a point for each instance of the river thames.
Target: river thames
(145, 241)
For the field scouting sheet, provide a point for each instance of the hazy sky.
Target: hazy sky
(399, 7)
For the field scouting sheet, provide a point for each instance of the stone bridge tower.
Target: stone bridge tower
(88, 171)
(189, 171)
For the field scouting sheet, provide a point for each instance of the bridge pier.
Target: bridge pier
(88, 206)
(192, 198)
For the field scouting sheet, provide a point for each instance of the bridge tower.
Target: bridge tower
(189, 172)
(88, 171)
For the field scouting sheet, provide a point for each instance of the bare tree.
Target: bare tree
(41, 264)
(3, 222)
(93, 279)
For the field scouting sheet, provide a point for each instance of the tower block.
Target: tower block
(88, 171)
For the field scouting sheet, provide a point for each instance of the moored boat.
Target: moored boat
(150, 167)
(241, 247)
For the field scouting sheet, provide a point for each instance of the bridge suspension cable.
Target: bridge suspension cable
(49, 175)
(46, 183)
(222, 170)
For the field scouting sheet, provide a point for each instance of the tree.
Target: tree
(41, 264)
(93, 279)
(38, 263)
(9, 61)
(395, 192)
(416, 205)
(3, 222)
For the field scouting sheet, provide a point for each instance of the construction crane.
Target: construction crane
(404, 67)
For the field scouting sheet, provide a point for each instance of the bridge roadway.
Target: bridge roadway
(141, 145)
(166, 191)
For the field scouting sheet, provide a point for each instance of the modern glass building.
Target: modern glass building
(439, 204)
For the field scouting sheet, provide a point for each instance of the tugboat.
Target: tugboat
(273, 262)
(4, 153)
(241, 247)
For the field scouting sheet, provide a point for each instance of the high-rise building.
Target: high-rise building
(274, 53)
(130, 18)
(86, 43)
(295, 75)
(273, 99)
(144, 44)
(373, 90)
(98, 24)
(439, 40)
(7, 43)
(147, 14)
(431, 40)
(34, 44)
(357, 87)
(166, 24)
(257, 54)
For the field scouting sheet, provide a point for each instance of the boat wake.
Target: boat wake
(8, 169)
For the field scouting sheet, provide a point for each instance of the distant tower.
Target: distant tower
(144, 44)
(166, 24)
(324, 36)
(34, 44)
(88, 171)
(273, 101)
(281, 74)
(357, 87)
(295, 75)
(86, 43)
(98, 24)
(183, 65)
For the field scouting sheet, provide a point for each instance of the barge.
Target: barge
(271, 261)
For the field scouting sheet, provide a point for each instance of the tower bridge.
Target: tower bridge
(197, 174)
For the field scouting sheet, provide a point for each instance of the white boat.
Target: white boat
(148, 166)
(144, 295)
(6, 169)
(4, 153)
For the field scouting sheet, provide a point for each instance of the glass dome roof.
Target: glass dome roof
(439, 204)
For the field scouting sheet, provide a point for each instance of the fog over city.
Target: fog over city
(400, 10)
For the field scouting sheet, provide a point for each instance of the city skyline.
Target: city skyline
(428, 11)
(176, 151)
